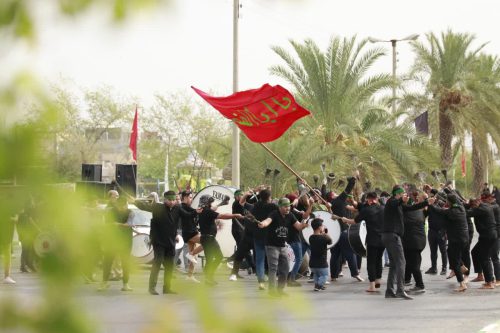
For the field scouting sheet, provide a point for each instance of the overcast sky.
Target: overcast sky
(190, 41)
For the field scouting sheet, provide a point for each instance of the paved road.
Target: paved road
(343, 307)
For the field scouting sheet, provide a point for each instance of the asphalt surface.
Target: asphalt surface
(343, 307)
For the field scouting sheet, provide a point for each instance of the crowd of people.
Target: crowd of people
(263, 227)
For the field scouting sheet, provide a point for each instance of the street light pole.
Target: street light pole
(394, 61)
(235, 166)
(394, 64)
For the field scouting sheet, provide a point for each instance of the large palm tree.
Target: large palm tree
(482, 116)
(348, 128)
(444, 63)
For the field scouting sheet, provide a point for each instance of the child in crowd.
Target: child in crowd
(319, 241)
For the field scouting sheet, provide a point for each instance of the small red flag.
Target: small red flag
(464, 165)
(133, 138)
(263, 114)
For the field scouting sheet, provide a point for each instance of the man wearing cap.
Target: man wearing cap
(278, 224)
(392, 231)
(163, 234)
(208, 230)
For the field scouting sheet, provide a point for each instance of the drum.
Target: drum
(220, 193)
(332, 225)
(142, 249)
(45, 243)
(357, 238)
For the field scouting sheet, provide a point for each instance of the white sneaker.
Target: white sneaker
(327, 282)
(9, 280)
(192, 279)
(359, 278)
(233, 277)
(191, 258)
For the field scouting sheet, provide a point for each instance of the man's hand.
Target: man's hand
(431, 201)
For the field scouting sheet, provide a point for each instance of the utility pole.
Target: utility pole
(235, 172)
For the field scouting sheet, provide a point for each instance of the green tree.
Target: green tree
(482, 115)
(443, 64)
(352, 130)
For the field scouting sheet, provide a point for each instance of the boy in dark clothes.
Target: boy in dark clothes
(319, 241)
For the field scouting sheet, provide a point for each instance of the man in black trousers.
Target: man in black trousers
(163, 235)
(392, 231)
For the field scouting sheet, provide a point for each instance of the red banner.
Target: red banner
(263, 114)
(133, 138)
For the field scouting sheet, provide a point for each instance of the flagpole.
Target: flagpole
(291, 170)
(235, 171)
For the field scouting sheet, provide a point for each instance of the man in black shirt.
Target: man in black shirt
(245, 242)
(373, 215)
(278, 224)
(437, 239)
(484, 219)
(261, 211)
(208, 230)
(392, 231)
(163, 236)
(456, 227)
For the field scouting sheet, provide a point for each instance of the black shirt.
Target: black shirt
(189, 221)
(456, 223)
(277, 233)
(164, 223)
(261, 210)
(393, 215)
(237, 208)
(206, 221)
(373, 215)
(414, 235)
(484, 219)
(318, 244)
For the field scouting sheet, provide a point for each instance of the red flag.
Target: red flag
(263, 114)
(464, 166)
(133, 138)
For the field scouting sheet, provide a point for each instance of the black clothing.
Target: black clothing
(481, 257)
(189, 223)
(436, 220)
(373, 215)
(437, 240)
(339, 204)
(206, 221)
(318, 244)
(374, 256)
(164, 223)
(414, 230)
(165, 257)
(413, 259)
(213, 255)
(496, 213)
(277, 234)
(261, 210)
(484, 219)
(455, 222)
(455, 254)
(393, 215)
